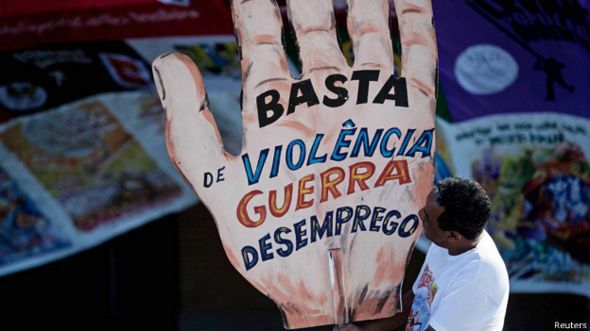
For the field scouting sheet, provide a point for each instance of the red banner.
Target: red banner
(29, 23)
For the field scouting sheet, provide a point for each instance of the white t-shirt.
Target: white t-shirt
(465, 292)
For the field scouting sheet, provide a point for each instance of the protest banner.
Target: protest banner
(318, 210)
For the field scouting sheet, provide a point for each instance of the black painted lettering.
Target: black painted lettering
(208, 179)
(302, 92)
(265, 106)
(399, 95)
(365, 77)
(341, 92)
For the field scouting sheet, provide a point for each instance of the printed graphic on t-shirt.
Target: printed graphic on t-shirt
(423, 297)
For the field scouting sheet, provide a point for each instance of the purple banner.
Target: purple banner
(514, 56)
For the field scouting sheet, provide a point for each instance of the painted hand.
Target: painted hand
(319, 210)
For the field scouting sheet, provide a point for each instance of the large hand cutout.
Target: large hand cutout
(319, 211)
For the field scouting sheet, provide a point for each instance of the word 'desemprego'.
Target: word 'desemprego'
(307, 231)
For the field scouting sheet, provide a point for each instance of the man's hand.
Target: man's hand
(395, 322)
(319, 210)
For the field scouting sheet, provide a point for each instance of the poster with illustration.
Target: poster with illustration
(48, 76)
(217, 56)
(318, 208)
(142, 116)
(536, 169)
(85, 159)
(81, 129)
(524, 56)
(141, 113)
(25, 232)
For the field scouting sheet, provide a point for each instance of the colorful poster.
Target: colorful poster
(25, 232)
(88, 163)
(526, 62)
(77, 176)
(536, 169)
(93, 168)
(41, 78)
(524, 56)
(217, 55)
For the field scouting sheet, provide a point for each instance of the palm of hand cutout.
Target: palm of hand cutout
(319, 210)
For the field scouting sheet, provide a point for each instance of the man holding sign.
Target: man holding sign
(463, 283)
(305, 210)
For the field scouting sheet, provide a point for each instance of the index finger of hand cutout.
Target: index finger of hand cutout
(315, 27)
(258, 26)
(192, 138)
(368, 25)
(419, 54)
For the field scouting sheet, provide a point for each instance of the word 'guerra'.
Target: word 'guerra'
(270, 109)
(332, 184)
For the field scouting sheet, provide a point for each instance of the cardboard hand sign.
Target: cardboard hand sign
(319, 210)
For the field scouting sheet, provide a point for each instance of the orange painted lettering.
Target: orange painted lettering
(303, 191)
(395, 169)
(242, 211)
(329, 184)
(272, 201)
(360, 177)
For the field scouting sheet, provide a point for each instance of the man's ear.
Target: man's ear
(455, 236)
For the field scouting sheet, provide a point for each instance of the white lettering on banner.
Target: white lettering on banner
(102, 20)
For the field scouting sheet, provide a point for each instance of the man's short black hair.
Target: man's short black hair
(467, 206)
